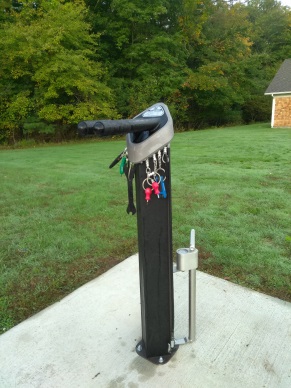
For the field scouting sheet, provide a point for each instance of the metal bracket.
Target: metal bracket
(181, 341)
(158, 360)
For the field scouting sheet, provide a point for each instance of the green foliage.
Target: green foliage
(271, 28)
(143, 50)
(34, 124)
(65, 61)
(49, 68)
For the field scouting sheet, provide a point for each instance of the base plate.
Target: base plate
(158, 360)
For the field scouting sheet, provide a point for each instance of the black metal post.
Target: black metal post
(154, 222)
(147, 135)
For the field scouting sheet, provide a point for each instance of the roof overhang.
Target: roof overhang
(276, 93)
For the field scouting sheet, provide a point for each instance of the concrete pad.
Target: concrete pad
(88, 339)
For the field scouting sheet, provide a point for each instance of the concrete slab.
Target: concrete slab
(88, 339)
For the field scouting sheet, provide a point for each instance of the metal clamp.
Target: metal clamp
(157, 140)
(187, 260)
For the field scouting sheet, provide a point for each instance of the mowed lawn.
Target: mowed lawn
(63, 217)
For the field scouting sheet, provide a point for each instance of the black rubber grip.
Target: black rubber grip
(114, 127)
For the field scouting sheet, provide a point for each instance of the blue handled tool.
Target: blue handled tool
(163, 191)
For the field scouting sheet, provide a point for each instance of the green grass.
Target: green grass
(64, 222)
(237, 182)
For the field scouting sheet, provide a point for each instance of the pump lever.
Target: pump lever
(192, 240)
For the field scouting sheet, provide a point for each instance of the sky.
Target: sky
(286, 2)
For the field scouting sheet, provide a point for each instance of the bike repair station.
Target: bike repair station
(147, 158)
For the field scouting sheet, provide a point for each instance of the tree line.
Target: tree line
(65, 61)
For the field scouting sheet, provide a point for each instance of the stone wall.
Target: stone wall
(282, 114)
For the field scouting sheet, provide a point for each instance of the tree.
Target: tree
(271, 36)
(210, 61)
(271, 28)
(142, 47)
(216, 81)
(48, 68)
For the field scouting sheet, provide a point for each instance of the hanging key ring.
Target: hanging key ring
(154, 180)
(143, 183)
(162, 169)
(148, 171)
(165, 155)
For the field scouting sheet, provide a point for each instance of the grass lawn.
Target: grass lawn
(64, 222)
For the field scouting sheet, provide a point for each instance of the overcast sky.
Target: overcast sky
(286, 2)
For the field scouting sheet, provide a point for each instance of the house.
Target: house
(280, 90)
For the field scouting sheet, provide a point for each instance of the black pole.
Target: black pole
(154, 222)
